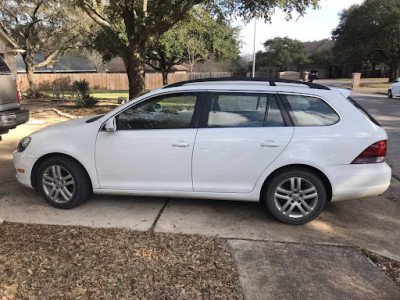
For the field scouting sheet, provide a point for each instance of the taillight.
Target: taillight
(18, 94)
(375, 153)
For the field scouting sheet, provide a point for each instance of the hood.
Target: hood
(66, 125)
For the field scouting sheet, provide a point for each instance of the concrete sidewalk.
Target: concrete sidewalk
(293, 271)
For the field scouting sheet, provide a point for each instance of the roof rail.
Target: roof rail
(272, 82)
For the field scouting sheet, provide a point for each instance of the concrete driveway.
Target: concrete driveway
(371, 223)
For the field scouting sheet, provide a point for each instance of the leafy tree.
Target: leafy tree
(323, 57)
(196, 38)
(47, 26)
(144, 21)
(94, 57)
(370, 32)
(167, 51)
(280, 53)
(207, 37)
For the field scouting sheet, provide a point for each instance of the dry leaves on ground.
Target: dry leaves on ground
(389, 266)
(58, 262)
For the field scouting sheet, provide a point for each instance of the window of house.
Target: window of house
(310, 111)
(162, 112)
(3, 66)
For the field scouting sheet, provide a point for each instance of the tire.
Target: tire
(290, 205)
(390, 94)
(72, 189)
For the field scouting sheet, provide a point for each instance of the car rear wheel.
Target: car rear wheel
(390, 94)
(295, 196)
(63, 182)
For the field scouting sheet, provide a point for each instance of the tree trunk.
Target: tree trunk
(135, 68)
(394, 72)
(31, 79)
(164, 77)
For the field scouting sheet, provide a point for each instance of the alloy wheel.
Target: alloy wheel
(58, 184)
(296, 197)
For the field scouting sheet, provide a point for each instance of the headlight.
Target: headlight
(23, 143)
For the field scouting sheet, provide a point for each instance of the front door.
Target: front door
(151, 150)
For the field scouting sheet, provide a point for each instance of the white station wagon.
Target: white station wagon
(294, 146)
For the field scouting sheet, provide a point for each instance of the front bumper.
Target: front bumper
(358, 180)
(12, 118)
(24, 166)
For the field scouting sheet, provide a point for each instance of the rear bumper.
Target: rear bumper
(358, 181)
(12, 118)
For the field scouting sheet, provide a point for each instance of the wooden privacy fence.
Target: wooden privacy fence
(99, 81)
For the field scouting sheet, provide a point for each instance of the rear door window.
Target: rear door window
(244, 110)
(309, 111)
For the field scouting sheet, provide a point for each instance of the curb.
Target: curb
(58, 112)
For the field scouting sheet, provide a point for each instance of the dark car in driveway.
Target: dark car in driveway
(313, 75)
(11, 114)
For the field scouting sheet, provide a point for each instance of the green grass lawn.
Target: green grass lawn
(97, 94)
(109, 94)
(376, 85)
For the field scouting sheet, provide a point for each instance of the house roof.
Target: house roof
(72, 64)
(5, 37)
(66, 64)
(116, 65)
(321, 45)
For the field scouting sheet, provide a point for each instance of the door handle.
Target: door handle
(269, 144)
(180, 144)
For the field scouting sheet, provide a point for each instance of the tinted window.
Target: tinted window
(310, 111)
(244, 110)
(165, 112)
(3, 67)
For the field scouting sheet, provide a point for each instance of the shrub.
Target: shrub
(84, 99)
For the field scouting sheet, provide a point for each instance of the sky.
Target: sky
(315, 25)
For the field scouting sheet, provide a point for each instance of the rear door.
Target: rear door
(241, 135)
(8, 90)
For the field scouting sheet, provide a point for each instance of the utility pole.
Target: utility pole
(254, 50)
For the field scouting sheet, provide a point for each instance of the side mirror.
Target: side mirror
(110, 125)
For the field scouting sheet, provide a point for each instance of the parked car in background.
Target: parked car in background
(394, 89)
(313, 75)
(294, 146)
(11, 114)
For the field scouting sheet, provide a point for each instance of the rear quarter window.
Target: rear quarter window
(309, 111)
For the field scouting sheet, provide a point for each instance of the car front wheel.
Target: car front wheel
(63, 182)
(295, 196)
(390, 94)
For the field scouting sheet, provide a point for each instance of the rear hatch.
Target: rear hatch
(8, 89)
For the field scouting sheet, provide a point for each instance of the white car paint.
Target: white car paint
(226, 163)
(395, 87)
